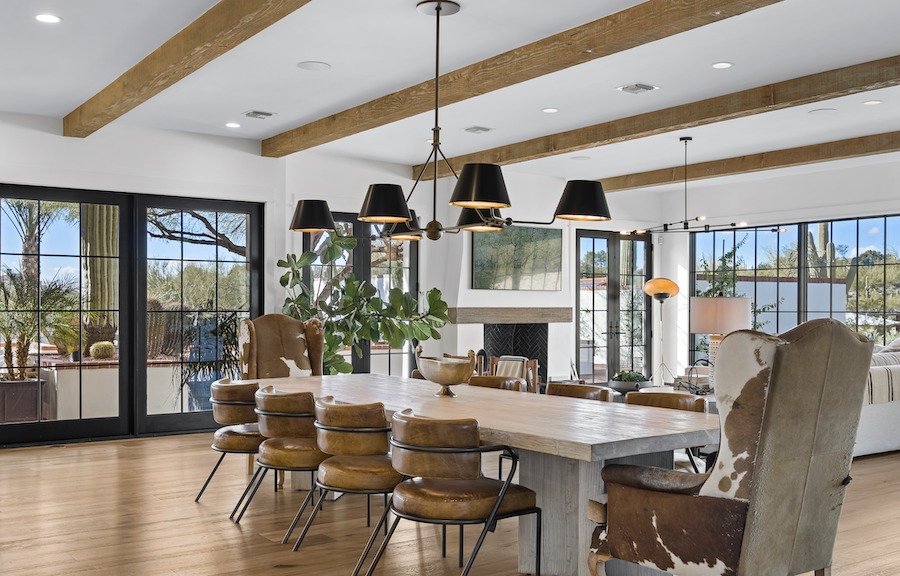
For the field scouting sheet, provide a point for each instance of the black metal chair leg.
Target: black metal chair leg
(307, 500)
(443, 540)
(460, 545)
(211, 474)
(537, 546)
(478, 544)
(309, 521)
(371, 541)
(381, 548)
(252, 494)
(385, 506)
(368, 512)
(246, 490)
(275, 478)
(693, 462)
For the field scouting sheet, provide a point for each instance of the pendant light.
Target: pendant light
(312, 216)
(479, 187)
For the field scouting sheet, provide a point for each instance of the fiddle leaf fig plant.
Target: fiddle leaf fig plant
(351, 310)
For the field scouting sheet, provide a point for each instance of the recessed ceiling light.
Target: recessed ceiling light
(824, 111)
(722, 65)
(233, 125)
(313, 65)
(872, 102)
(580, 158)
(638, 88)
(48, 18)
(550, 110)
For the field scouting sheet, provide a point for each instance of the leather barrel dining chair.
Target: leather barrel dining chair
(580, 391)
(512, 383)
(442, 460)
(278, 346)
(233, 404)
(356, 437)
(789, 406)
(675, 401)
(286, 420)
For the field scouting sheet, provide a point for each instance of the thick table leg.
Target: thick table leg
(563, 487)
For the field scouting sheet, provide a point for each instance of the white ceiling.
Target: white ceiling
(376, 48)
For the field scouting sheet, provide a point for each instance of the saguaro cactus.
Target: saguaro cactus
(100, 240)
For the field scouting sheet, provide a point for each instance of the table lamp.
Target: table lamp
(661, 289)
(717, 316)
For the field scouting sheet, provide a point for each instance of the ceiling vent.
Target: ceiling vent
(477, 129)
(257, 114)
(638, 88)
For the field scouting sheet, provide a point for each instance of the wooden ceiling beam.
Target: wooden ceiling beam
(223, 27)
(825, 152)
(636, 26)
(796, 92)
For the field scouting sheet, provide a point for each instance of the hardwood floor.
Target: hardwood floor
(127, 508)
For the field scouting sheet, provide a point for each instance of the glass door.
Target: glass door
(612, 318)
(202, 278)
(63, 332)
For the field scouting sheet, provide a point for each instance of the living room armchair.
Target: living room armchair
(789, 407)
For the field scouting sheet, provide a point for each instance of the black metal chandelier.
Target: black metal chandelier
(480, 189)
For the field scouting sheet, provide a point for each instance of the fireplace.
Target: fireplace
(528, 340)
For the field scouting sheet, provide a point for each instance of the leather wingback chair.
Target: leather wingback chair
(278, 346)
(286, 420)
(233, 404)
(789, 406)
(580, 391)
(442, 461)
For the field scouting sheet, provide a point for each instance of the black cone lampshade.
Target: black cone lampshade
(407, 230)
(480, 186)
(583, 200)
(385, 203)
(469, 219)
(312, 216)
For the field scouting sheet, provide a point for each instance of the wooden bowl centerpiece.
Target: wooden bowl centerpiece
(445, 371)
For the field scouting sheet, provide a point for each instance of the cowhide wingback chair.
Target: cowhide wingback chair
(278, 346)
(789, 406)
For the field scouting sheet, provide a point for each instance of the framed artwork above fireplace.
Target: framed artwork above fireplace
(517, 258)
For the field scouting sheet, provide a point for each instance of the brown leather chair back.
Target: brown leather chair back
(278, 346)
(673, 400)
(338, 428)
(407, 429)
(499, 382)
(233, 402)
(580, 391)
(285, 414)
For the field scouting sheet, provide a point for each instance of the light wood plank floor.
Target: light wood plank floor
(127, 508)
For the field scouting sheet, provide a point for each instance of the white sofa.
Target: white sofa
(879, 424)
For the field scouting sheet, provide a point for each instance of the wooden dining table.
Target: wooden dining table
(562, 442)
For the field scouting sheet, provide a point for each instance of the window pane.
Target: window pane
(19, 226)
(100, 230)
(233, 286)
(745, 257)
(163, 233)
(100, 283)
(234, 240)
(871, 241)
(199, 235)
(60, 228)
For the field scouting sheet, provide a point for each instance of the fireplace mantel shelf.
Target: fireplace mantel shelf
(509, 315)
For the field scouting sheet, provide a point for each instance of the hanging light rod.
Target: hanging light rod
(686, 224)
(480, 189)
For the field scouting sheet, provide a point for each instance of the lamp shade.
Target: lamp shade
(660, 288)
(480, 186)
(407, 230)
(719, 315)
(312, 216)
(385, 203)
(470, 219)
(583, 200)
